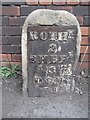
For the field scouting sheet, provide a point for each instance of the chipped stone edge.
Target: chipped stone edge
(33, 19)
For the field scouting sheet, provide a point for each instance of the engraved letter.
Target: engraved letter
(43, 35)
(59, 36)
(42, 59)
(33, 35)
(51, 71)
(33, 58)
(52, 48)
(71, 34)
(53, 36)
(54, 59)
(64, 35)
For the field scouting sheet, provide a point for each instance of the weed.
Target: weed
(11, 71)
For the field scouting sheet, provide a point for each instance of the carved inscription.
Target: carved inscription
(52, 36)
(51, 56)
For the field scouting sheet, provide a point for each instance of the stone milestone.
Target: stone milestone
(50, 51)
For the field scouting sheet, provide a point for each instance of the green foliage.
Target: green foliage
(11, 71)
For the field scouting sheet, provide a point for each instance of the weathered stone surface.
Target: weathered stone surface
(51, 17)
(38, 41)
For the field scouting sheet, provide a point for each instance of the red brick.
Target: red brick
(59, 2)
(11, 30)
(16, 21)
(16, 58)
(11, 11)
(45, 2)
(80, 19)
(87, 20)
(26, 10)
(3, 21)
(0, 41)
(80, 10)
(84, 65)
(0, 49)
(32, 2)
(9, 63)
(0, 10)
(67, 8)
(18, 63)
(85, 41)
(85, 31)
(0, 20)
(84, 2)
(10, 40)
(5, 57)
(83, 49)
(86, 57)
(11, 49)
(73, 2)
(0, 30)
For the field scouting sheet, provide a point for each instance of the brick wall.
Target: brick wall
(15, 13)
